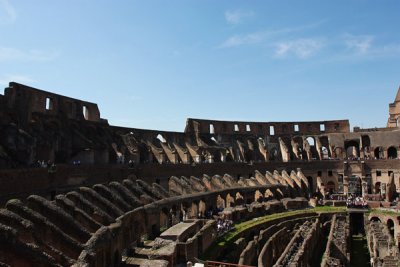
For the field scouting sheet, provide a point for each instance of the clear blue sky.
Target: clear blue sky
(152, 64)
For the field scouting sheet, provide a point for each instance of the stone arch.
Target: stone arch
(324, 152)
(375, 219)
(311, 140)
(392, 152)
(378, 152)
(220, 202)
(239, 199)
(230, 201)
(352, 148)
(268, 194)
(202, 208)
(331, 187)
(338, 152)
(391, 227)
(194, 211)
(139, 231)
(366, 144)
(273, 155)
(377, 188)
(258, 196)
(161, 138)
(165, 219)
(310, 184)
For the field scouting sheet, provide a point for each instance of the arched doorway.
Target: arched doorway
(377, 187)
(378, 152)
(390, 225)
(310, 184)
(375, 219)
(273, 155)
(392, 152)
(331, 187)
(355, 185)
(352, 149)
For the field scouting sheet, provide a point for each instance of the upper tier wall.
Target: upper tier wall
(25, 101)
(266, 128)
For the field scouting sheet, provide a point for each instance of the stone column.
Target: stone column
(364, 187)
(345, 184)
(383, 189)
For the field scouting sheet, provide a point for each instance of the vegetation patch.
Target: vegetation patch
(384, 212)
(226, 240)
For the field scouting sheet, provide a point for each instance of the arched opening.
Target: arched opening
(377, 188)
(161, 138)
(378, 152)
(310, 152)
(352, 149)
(366, 143)
(273, 155)
(311, 140)
(202, 209)
(390, 225)
(355, 185)
(375, 219)
(239, 200)
(194, 211)
(310, 184)
(165, 219)
(220, 203)
(230, 201)
(258, 197)
(324, 153)
(268, 194)
(331, 187)
(338, 151)
(392, 152)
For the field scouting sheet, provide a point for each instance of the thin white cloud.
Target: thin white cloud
(14, 54)
(7, 12)
(262, 36)
(238, 40)
(5, 79)
(358, 43)
(301, 48)
(237, 16)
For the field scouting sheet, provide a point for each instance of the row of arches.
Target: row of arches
(353, 151)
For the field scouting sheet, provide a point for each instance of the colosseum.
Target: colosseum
(76, 191)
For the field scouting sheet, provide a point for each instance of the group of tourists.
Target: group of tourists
(224, 226)
(356, 202)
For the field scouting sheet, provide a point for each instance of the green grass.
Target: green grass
(384, 212)
(227, 239)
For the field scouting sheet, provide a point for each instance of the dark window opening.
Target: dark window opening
(330, 173)
(378, 173)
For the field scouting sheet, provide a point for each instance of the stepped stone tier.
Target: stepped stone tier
(77, 191)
